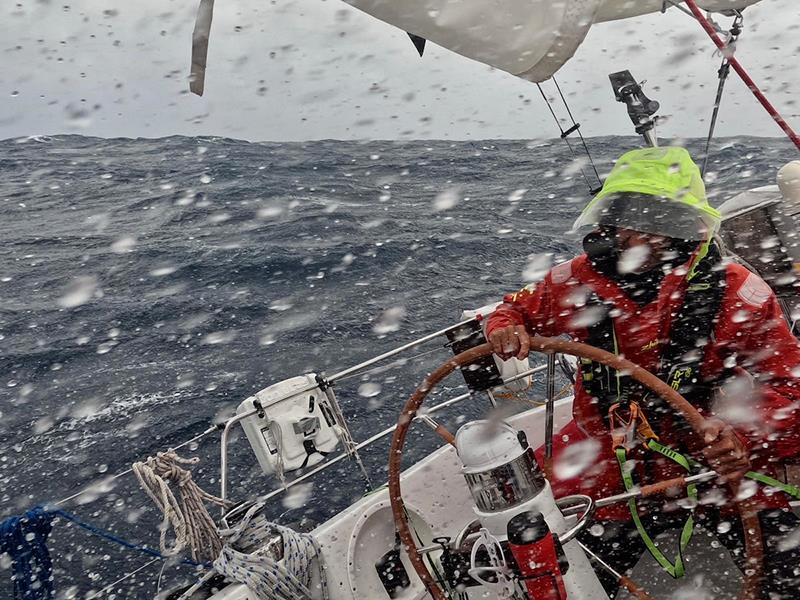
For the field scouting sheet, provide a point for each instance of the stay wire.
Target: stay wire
(92, 487)
(563, 134)
(724, 72)
(583, 141)
(111, 586)
(388, 366)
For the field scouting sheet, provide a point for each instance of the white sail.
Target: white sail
(531, 39)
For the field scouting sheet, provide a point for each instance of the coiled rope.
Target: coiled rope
(194, 528)
(250, 559)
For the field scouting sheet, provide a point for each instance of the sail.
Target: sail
(531, 39)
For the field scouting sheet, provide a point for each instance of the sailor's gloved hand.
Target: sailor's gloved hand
(724, 451)
(511, 341)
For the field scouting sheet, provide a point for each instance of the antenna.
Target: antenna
(641, 109)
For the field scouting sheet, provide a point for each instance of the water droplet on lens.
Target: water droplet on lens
(369, 389)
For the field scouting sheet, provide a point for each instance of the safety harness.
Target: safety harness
(691, 330)
(626, 402)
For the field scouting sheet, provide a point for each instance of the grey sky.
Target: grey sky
(312, 69)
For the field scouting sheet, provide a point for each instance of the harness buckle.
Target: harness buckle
(625, 429)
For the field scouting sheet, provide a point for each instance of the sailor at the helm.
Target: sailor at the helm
(653, 287)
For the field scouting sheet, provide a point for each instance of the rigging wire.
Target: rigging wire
(743, 75)
(565, 136)
(578, 130)
(93, 487)
(388, 366)
(111, 586)
(724, 72)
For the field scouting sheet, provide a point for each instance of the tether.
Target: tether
(623, 437)
(623, 434)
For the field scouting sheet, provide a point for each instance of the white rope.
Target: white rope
(194, 528)
(249, 558)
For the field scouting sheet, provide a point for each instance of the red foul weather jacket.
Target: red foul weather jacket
(750, 335)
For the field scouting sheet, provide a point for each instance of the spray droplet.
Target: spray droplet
(79, 291)
(537, 267)
(369, 389)
(389, 320)
(447, 199)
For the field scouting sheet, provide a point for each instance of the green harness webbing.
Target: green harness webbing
(676, 569)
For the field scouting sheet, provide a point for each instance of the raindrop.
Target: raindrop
(747, 489)
(770, 242)
(269, 212)
(124, 244)
(220, 337)
(633, 258)
(576, 458)
(79, 291)
(106, 347)
(517, 195)
(97, 490)
(740, 316)
(537, 267)
(369, 389)
(298, 495)
(163, 271)
(597, 530)
(790, 542)
(390, 320)
(281, 305)
(42, 425)
(588, 316)
(447, 199)
(86, 409)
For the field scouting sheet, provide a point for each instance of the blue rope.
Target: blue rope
(24, 538)
(107, 535)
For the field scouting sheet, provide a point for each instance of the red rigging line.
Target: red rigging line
(740, 70)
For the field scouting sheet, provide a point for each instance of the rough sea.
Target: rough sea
(147, 287)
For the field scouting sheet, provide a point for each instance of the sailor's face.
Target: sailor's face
(655, 247)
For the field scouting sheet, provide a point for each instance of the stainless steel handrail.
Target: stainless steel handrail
(588, 505)
(385, 355)
(233, 420)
